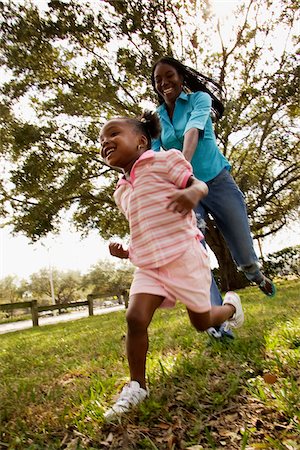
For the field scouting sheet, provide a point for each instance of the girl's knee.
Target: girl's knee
(135, 321)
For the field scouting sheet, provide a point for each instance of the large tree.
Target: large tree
(76, 65)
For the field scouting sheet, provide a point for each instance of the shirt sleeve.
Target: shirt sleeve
(200, 112)
(179, 169)
(120, 195)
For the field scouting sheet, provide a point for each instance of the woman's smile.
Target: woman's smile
(167, 91)
(168, 82)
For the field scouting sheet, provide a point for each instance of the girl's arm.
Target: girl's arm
(118, 250)
(184, 200)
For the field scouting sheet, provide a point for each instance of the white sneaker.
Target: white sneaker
(237, 320)
(131, 395)
(214, 333)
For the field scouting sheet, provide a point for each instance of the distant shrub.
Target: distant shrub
(283, 263)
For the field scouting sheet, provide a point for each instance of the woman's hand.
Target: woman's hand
(118, 250)
(184, 200)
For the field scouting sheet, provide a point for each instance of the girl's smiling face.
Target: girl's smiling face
(121, 144)
(168, 82)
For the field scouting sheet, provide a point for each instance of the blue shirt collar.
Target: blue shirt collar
(182, 96)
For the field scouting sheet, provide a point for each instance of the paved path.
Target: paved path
(24, 324)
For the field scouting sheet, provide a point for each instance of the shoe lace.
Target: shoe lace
(127, 396)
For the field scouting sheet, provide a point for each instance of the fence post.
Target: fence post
(90, 305)
(34, 313)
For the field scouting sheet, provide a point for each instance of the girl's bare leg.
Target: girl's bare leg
(216, 316)
(139, 315)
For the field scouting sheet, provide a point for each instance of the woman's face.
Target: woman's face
(168, 82)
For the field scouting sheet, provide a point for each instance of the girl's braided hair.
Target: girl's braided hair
(148, 124)
(193, 81)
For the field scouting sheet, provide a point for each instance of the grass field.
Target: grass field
(56, 382)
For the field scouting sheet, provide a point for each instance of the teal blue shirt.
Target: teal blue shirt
(192, 111)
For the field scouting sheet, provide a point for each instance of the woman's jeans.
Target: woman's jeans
(225, 203)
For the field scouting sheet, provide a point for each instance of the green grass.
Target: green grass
(56, 381)
(16, 318)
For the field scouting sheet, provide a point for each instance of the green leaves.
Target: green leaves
(70, 66)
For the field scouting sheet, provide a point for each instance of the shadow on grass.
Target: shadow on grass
(62, 377)
(200, 391)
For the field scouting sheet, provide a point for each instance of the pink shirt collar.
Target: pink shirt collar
(148, 154)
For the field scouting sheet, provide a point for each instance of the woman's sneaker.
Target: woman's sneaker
(267, 287)
(216, 334)
(220, 334)
(131, 395)
(237, 320)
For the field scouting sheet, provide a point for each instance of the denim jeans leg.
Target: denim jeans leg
(215, 295)
(225, 202)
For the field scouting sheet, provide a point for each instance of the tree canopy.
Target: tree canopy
(69, 66)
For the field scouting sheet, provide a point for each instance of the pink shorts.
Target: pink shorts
(187, 278)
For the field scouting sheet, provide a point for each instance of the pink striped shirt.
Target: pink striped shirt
(157, 235)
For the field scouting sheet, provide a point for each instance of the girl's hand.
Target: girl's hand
(118, 250)
(184, 200)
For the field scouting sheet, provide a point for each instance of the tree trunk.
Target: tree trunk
(229, 277)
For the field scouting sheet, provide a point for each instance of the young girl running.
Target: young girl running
(157, 194)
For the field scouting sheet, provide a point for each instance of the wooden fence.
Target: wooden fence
(35, 309)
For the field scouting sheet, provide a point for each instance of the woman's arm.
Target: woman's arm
(190, 143)
(201, 107)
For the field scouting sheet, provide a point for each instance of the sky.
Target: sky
(69, 251)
